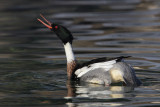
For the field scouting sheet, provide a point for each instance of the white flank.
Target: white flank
(105, 65)
(69, 53)
(116, 75)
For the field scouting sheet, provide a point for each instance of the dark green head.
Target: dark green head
(63, 33)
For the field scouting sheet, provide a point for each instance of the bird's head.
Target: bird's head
(63, 33)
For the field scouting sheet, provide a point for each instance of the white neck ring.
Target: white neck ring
(69, 52)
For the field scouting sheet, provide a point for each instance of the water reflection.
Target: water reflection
(85, 92)
(97, 91)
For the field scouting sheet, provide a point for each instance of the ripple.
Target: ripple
(33, 61)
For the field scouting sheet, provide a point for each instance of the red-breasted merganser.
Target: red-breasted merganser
(101, 71)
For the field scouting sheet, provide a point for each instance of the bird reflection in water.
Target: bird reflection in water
(96, 90)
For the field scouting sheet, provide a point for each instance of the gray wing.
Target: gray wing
(128, 74)
(99, 76)
(96, 72)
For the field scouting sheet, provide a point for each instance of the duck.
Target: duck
(101, 70)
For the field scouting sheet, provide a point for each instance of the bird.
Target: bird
(101, 70)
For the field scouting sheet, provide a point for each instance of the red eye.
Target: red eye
(56, 27)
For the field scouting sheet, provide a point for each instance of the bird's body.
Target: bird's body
(101, 70)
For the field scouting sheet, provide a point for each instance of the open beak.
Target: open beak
(48, 23)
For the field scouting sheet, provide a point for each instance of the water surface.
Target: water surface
(32, 59)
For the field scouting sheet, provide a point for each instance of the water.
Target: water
(32, 59)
